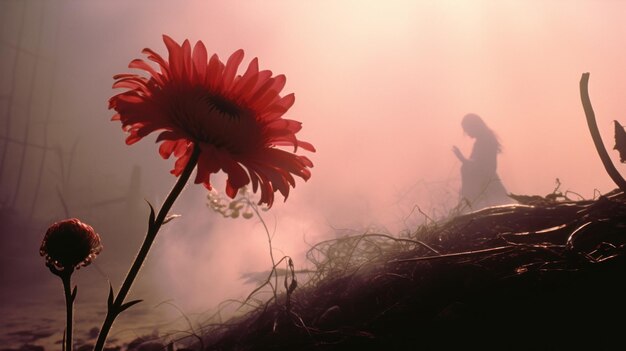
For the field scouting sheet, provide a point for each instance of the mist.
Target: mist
(380, 87)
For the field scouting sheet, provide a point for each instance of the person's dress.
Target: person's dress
(481, 186)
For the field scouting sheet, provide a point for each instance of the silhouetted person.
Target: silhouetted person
(481, 186)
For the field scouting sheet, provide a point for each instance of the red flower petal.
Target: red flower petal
(231, 68)
(237, 120)
(153, 56)
(141, 64)
(199, 60)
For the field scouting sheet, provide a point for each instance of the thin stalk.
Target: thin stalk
(269, 242)
(595, 134)
(66, 277)
(28, 113)
(118, 306)
(11, 97)
(46, 123)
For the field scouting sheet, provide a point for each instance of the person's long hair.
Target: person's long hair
(475, 127)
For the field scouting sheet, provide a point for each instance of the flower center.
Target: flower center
(217, 120)
(226, 107)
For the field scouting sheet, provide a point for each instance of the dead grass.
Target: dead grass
(545, 274)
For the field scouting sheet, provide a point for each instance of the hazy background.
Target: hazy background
(381, 87)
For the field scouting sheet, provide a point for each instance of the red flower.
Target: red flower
(69, 244)
(236, 120)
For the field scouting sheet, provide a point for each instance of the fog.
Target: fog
(381, 87)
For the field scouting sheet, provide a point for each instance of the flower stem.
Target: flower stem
(66, 278)
(153, 228)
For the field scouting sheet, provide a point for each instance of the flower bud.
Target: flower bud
(70, 244)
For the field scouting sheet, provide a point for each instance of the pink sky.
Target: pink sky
(381, 87)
